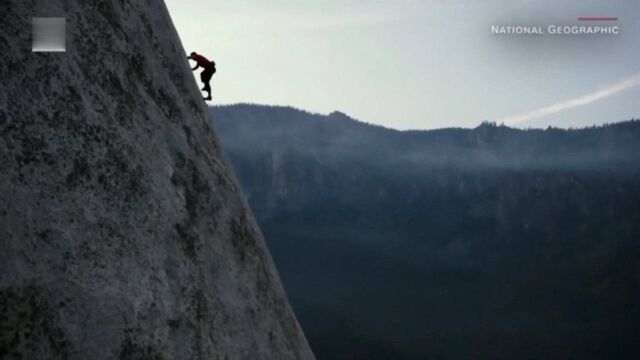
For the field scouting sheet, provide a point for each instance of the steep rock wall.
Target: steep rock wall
(123, 233)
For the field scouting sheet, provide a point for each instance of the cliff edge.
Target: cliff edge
(123, 233)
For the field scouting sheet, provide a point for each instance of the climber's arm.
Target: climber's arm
(193, 68)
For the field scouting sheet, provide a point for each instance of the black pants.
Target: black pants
(206, 75)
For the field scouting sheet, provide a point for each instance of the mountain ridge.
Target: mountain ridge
(488, 144)
(471, 243)
(343, 115)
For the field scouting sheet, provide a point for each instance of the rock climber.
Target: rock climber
(206, 74)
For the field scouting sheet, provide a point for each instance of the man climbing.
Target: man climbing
(206, 74)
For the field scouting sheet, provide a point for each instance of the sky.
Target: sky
(420, 64)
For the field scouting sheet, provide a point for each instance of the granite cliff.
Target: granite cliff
(123, 232)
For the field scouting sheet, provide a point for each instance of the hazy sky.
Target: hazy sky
(419, 64)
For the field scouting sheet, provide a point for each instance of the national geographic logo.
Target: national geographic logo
(588, 25)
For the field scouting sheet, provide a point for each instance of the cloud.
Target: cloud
(609, 90)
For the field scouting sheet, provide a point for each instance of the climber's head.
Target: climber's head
(193, 54)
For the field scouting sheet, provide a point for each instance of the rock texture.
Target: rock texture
(123, 233)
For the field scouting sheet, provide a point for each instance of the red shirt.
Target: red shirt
(201, 60)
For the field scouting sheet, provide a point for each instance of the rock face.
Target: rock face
(123, 233)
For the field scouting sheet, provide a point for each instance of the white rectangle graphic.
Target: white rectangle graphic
(49, 34)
